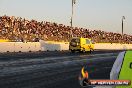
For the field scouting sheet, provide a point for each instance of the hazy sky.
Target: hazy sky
(92, 14)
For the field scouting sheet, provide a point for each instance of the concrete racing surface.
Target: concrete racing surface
(52, 69)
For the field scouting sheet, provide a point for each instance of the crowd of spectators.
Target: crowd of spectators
(18, 29)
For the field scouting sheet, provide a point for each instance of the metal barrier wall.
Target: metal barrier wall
(19, 47)
(54, 46)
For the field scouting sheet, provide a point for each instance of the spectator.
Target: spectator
(18, 29)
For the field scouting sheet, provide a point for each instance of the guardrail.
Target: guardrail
(19, 47)
(54, 46)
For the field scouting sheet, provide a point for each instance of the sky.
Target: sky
(105, 15)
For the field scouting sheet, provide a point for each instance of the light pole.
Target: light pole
(123, 18)
(73, 2)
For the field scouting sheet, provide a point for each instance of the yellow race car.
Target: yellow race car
(81, 44)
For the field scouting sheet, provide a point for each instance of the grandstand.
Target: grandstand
(19, 29)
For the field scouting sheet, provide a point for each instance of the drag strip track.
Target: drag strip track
(30, 55)
(57, 71)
